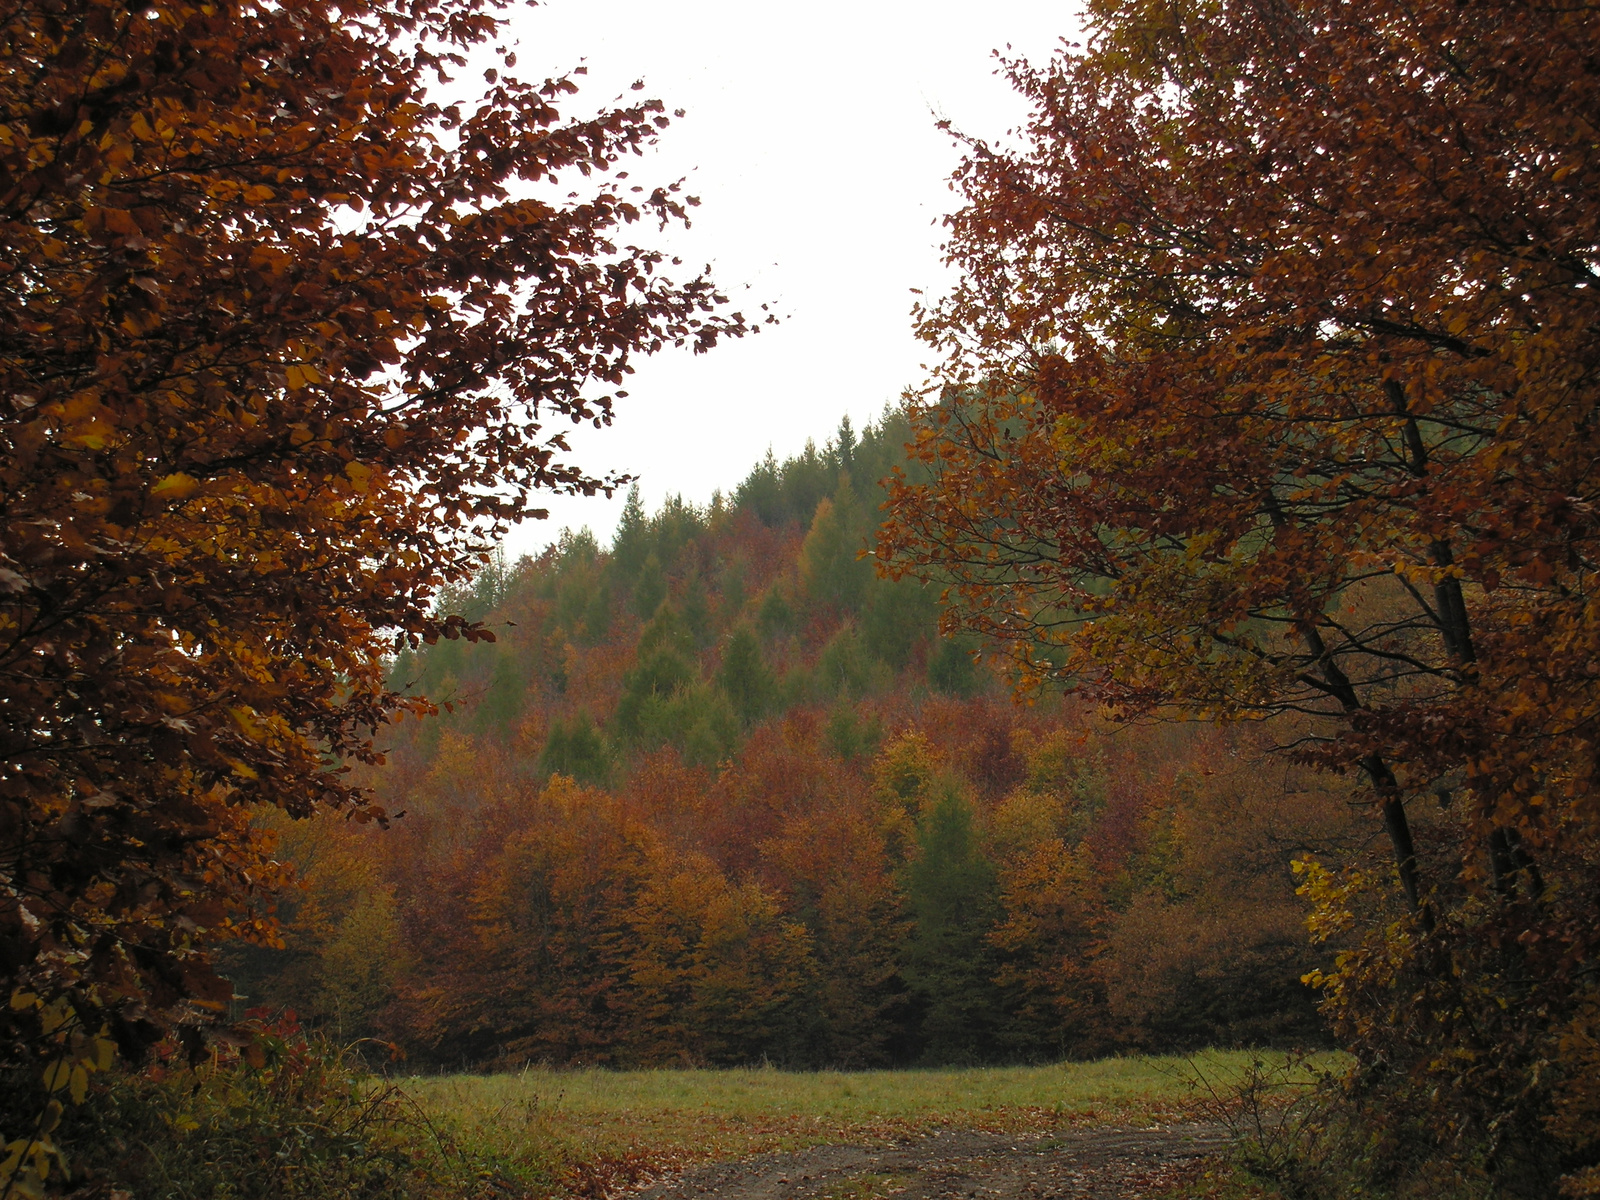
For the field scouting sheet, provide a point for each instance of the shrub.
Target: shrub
(289, 1117)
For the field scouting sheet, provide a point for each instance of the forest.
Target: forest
(720, 793)
(1202, 657)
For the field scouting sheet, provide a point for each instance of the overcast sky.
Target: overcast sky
(810, 139)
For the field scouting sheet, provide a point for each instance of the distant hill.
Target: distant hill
(719, 792)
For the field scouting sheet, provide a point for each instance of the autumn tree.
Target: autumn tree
(288, 343)
(341, 951)
(540, 974)
(1272, 391)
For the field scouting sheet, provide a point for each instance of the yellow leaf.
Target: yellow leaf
(55, 1015)
(179, 486)
(245, 719)
(13, 1159)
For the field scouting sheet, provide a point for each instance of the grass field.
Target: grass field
(583, 1131)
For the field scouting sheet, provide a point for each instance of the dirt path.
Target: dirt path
(1093, 1164)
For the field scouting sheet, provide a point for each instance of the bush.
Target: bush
(1314, 1130)
(287, 1117)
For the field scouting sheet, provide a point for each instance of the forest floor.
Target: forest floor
(1118, 1129)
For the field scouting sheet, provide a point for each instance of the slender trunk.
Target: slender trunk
(1509, 860)
(1501, 866)
(1391, 804)
(1522, 862)
(1396, 825)
(1450, 606)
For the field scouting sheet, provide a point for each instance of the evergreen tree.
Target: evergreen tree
(951, 670)
(744, 676)
(851, 736)
(650, 588)
(898, 616)
(662, 671)
(631, 545)
(776, 616)
(807, 478)
(844, 444)
(666, 631)
(701, 723)
(830, 558)
(762, 492)
(694, 610)
(730, 589)
(502, 699)
(844, 668)
(597, 614)
(577, 750)
(953, 896)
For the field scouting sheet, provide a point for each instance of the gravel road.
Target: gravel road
(1112, 1163)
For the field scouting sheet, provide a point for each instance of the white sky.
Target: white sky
(809, 138)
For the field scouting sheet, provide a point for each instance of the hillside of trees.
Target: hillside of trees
(719, 793)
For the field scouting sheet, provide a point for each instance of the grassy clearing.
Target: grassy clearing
(586, 1130)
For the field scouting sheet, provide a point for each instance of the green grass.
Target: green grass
(586, 1130)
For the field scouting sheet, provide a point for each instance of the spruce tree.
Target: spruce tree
(744, 676)
(952, 893)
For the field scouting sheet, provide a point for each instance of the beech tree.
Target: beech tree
(287, 344)
(1271, 390)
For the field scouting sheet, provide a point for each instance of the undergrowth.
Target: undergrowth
(284, 1117)
(1307, 1127)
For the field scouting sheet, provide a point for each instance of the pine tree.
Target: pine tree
(744, 677)
(776, 615)
(952, 893)
(951, 670)
(830, 558)
(650, 589)
(631, 545)
(899, 616)
(577, 750)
